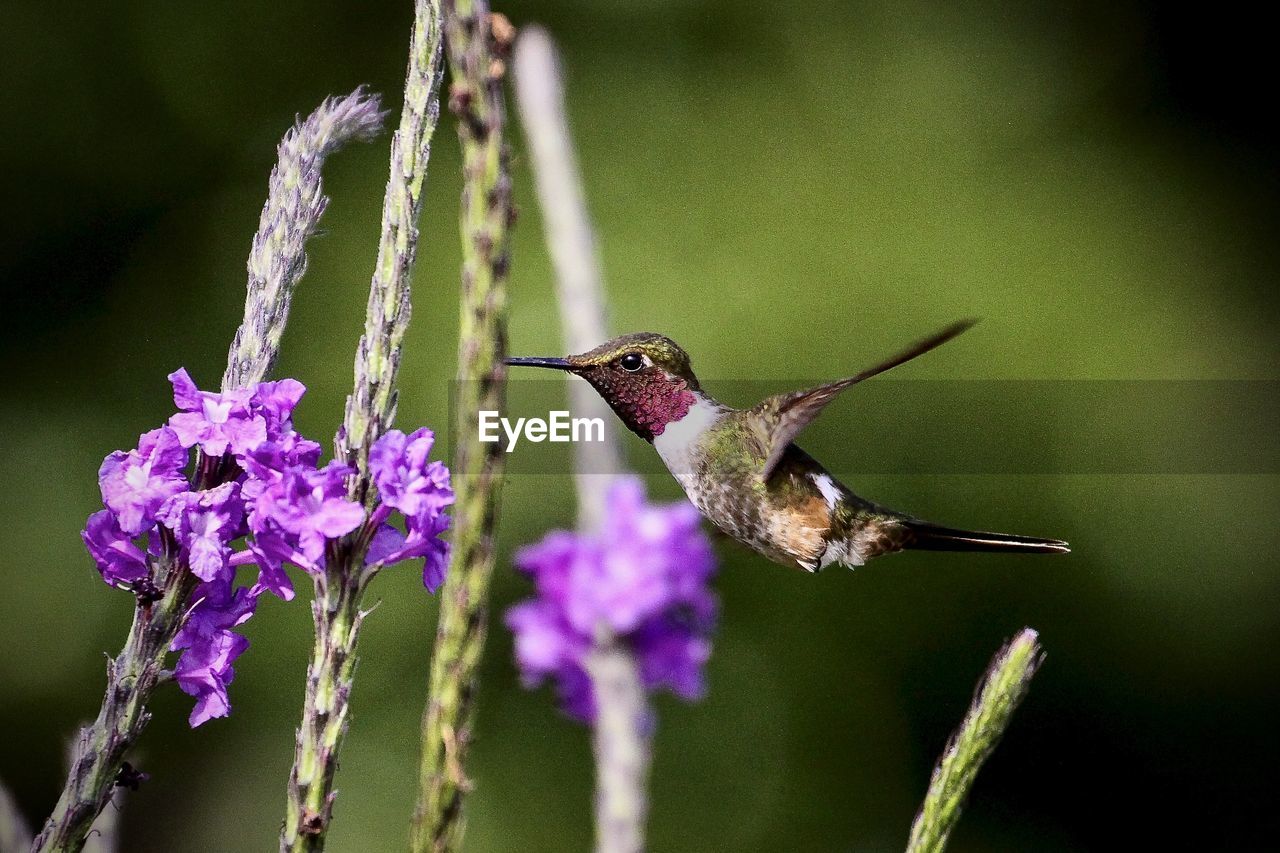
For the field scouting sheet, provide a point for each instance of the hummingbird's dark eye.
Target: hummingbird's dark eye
(631, 362)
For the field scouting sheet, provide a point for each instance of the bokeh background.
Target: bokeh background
(790, 190)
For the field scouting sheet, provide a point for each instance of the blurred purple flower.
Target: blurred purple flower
(643, 580)
(135, 484)
(672, 651)
(215, 421)
(119, 560)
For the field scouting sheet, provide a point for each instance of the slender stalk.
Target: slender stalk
(621, 742)
(486, 217)
(335, 611)
(570, 239)
(336, 608)
(290, 216)
(372, 404)
(1002, 688)
(277, 260)
(99, 749)
(622, 734)
(104, 836)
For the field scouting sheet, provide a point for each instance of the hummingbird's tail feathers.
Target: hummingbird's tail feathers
(932, 537)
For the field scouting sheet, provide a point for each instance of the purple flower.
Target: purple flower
(643, 581)
(420, 489)
(545, 648)
(203, 524)
(217, 607)
(209, 646)
(301, 510)
(288, 510)
(672, 652)
(215, 421)
(423, 540)
(267, 462)
(204, 672)
(135, 484)
(271, 550)
(119, 560)
(275, 402)
(406, 480)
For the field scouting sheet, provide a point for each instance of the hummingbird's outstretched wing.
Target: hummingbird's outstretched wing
(782, 416)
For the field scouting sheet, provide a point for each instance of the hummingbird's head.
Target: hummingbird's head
(644, 377)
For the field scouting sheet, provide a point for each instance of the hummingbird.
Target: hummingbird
(742, 469)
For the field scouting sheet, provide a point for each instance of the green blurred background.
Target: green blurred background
(789, 190)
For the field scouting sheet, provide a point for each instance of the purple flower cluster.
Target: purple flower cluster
(643, 580)
(270, 493)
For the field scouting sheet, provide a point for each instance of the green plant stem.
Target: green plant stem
(100, 748)
(1002, 688)
(486, 216)
(337, 618)
(290, 217)
(372, 404)
(104, 835)
(277, 260)
(336, 608)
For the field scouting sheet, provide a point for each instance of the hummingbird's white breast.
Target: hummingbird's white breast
(675, 443)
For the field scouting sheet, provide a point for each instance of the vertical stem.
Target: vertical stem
(369, 412)
(372, 404)
(621, 742)
(337, 618)
(486, 216)
(1002, 688)
(572, 244)
(104, 835)
(100, 748)
(622, 733)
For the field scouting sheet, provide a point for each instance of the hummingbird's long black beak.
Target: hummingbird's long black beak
(554, 363)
